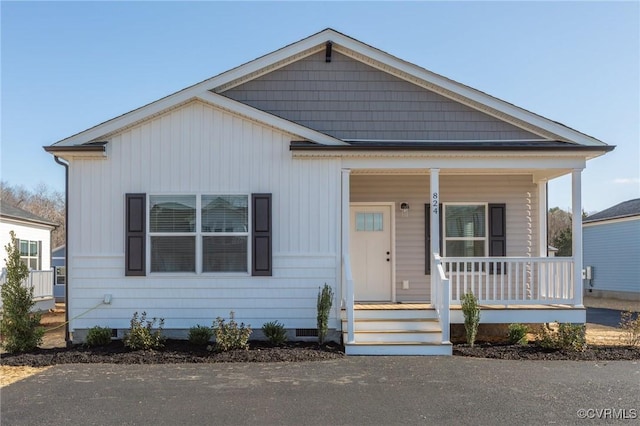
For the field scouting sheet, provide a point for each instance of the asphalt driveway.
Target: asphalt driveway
(601, 316)
(354, 390)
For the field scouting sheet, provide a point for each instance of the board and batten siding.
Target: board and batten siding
(348, 99)
(612, 248)
(516, 191)
(201, 149)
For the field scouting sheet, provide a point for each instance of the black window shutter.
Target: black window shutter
(497, 234)
(497, 230)
(427, 237)
(135, 264)
(261, 235)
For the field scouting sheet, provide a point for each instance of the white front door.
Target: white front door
(370, 252)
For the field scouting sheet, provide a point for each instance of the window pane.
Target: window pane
(173, 254)
(24, 248)
(377, 221)
(224, 213)
(360, 221)
(172, 213)
(224, 254)
(33, 264)
(368, 221)
(465, 248)
(33, 248)
(465, 221)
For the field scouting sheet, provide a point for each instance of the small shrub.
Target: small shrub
(200, 335)
(471, 313)
(518, 334)
(325, 300)
(274, 332)
(631, 328)
(562, 337)
(141, 336)
(98, 336)
(232, 335)
(20, 328)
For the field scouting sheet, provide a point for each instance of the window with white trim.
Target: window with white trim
(199, 233)
(30, 253)
(465, 230)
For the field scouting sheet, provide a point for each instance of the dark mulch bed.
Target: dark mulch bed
(535, 352)
(174, 352)
(181, 351)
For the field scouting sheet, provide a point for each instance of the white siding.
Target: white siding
(31, 232)
(202, 149)
(516, 191)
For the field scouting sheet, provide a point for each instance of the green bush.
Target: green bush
(630, 324)
(141, 334)
(562, 337)
(325, 300)
(274, 332)
(518, 334)
(200, 335)
(98, 336)
(471, 313)
(232, 335)
(20, 328)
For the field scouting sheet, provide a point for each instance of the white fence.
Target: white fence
(40, 281)
(511, 280)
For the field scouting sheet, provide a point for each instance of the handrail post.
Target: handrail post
(446, 310)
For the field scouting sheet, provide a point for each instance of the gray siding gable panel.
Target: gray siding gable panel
(348, 99)
(613, 250)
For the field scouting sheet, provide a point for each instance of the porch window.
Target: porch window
(465, 230)
(192, 233)
(30, 253)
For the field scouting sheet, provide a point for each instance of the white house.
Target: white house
(612, 251)
(326, 161)
(34, 241)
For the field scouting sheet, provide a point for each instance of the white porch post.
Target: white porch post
(576, 211)
(542, 218)
(434, 200)
(347, 282)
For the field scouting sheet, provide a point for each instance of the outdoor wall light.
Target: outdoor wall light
(404, 207)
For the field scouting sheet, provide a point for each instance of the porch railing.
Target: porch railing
(350, 302)
(41, 281)
(511, 280)
(441, 297)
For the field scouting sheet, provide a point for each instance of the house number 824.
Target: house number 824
(434, 203)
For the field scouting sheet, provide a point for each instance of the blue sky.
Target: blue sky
(69, 66)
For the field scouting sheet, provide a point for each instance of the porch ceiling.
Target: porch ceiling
(537, 174)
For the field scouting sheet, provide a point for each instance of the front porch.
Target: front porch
(526, 290)
(495, 248)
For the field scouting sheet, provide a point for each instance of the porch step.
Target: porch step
(396, 336)
(394, 330)
(406, 349)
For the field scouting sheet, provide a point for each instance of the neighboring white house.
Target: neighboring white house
(326, 161)
(34, 235)
(612, 251)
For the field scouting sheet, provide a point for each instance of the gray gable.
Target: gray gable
(350, 100)
(624, 209)
(9, 211)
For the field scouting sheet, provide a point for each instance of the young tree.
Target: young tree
(21, 330)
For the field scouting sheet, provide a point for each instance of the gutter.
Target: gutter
(67, 337)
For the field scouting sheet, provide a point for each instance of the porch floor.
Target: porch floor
(425, 305)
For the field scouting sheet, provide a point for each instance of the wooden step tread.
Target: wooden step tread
(403, 331)
(405, 343)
